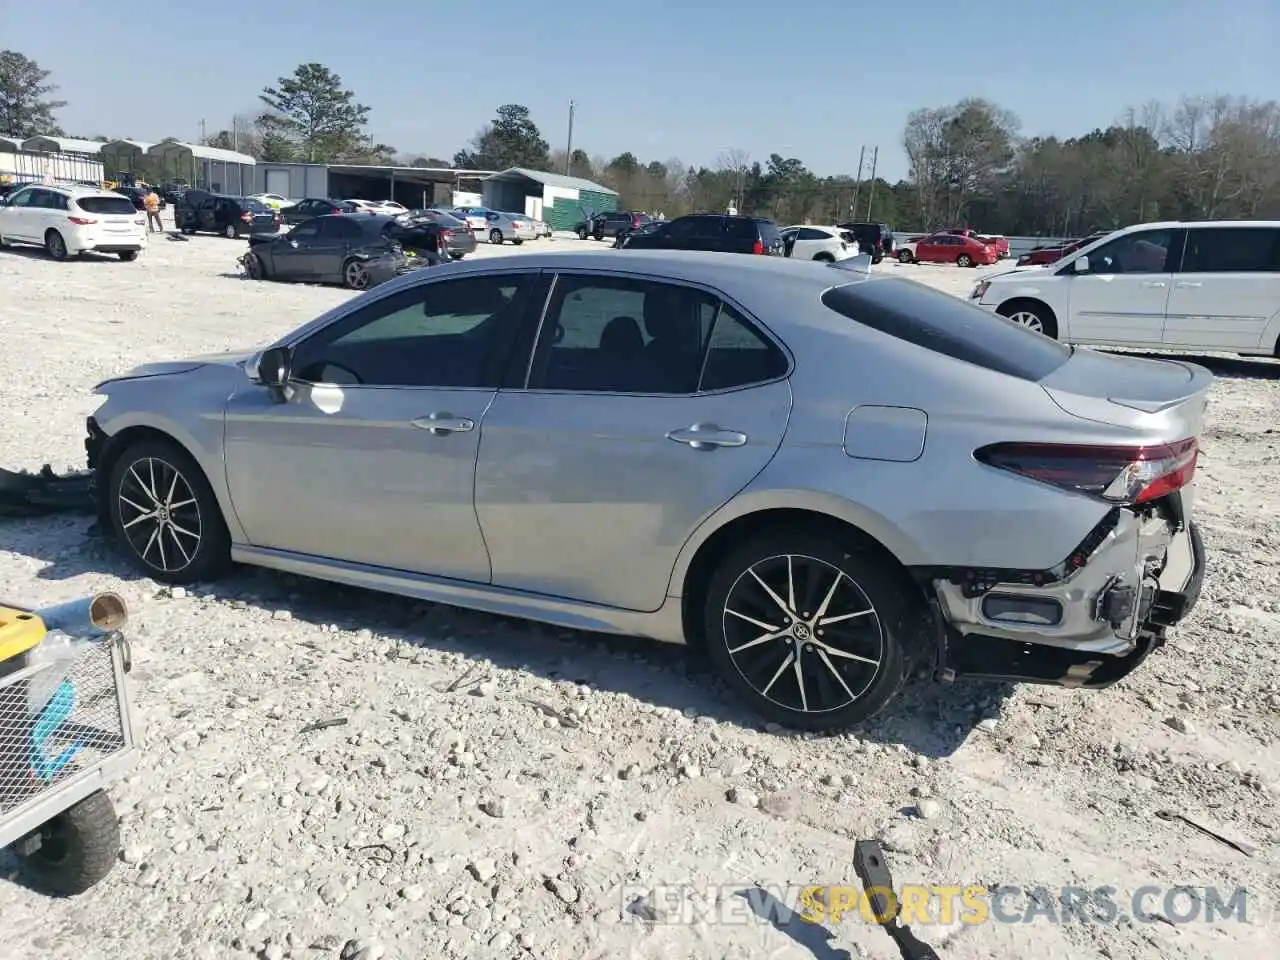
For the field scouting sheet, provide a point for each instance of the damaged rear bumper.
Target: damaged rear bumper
(1088, 622)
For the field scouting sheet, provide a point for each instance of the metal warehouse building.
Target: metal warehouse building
(559, 201)
(415, 187)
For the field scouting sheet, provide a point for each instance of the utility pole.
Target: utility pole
(871, 194)
(857, 184)
(568, 149)
(202, 137)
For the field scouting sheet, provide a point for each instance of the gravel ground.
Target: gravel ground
(496, 785)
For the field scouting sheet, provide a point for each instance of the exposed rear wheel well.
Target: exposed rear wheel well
(701, 570)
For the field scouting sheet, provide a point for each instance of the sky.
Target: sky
(691, 79)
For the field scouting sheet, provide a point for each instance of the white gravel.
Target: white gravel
(496, 783)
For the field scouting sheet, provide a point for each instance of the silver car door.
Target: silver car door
(591, 480)
(371, 458)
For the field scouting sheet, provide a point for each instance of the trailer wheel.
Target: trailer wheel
(77, 848)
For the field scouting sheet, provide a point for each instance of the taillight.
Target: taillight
(247, 217)
(1115, 474)
(757, 248)
(446, 235)
(84, 222)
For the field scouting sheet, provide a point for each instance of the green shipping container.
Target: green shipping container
(566, 214)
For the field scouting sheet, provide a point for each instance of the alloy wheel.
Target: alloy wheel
(160, 515)
(1028, 319)
(803, 634)
(356, 276)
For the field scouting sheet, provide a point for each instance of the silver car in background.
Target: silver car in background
(819, 477)
(501, 226)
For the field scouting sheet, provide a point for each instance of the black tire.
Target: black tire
(517, 241)
(193, 545)
(128, 256)
(597, 237)
(905, 256)
(355, 276)
(964, 260)
(582, 233)
(77, 848)
(495, 236)
(54, 245)
(824, 258)
(843, 682)
(255, 268)
(1030, 312)
(230, 231)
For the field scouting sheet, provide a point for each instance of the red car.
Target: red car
(1055, 252)
(963, 251)
(1001, 244)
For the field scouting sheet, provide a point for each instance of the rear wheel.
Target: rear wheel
(128, 256)
(355, 275)
(1032, 315)
(904, 256)
(964, 260)
(230, 232)
(165, 515)
(824, 257)
(807, 631)
(76, 849)
(495, 236)
(54, 245)
(582, 233)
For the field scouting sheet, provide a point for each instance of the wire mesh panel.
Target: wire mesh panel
(58, 719)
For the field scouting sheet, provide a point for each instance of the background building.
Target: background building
(560, 202)
(415, 187)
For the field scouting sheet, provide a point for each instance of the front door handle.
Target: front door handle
(1154, 283)
(441, 423)
(1188, 284)
(707, 436)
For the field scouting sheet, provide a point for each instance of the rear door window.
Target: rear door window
(1231, 250)
(942, 323)
(738, 228)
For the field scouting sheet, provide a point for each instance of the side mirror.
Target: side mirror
(1080, 265)
(270, 369)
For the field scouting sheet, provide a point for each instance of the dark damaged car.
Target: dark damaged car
(357, 252)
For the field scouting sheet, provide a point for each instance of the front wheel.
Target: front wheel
(904, 256)
(1034, 316)
(76, 849)
(128, 256)
(517, 241)
(254, 267)
(964, 260)
(582, 233)
(806, 631)
(495, 237)
(230, 232)
(165, 514)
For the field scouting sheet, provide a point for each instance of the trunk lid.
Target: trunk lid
(1166, 398)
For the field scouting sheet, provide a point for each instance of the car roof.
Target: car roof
(70, 189)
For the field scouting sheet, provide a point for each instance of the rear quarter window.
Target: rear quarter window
(106, 206)
(255, 206)
(947, 325)
(740, 229)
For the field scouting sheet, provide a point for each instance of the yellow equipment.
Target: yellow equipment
(20, 631)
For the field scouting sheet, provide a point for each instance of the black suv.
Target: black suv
(202, 212)
(873, 238)
(713, 231)
(610, 224)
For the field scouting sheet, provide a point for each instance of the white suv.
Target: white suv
(1212, 285)
(70, 220)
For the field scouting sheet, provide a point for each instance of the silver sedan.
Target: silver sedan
(818, 476)
(500, 226)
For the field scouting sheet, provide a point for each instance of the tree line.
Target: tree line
(1204, 157)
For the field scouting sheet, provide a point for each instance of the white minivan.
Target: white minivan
(1212, 285)
(70, 220)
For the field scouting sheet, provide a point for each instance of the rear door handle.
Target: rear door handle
(1154, 283)
(442, 423)
(1186, 284)
(707, 436)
